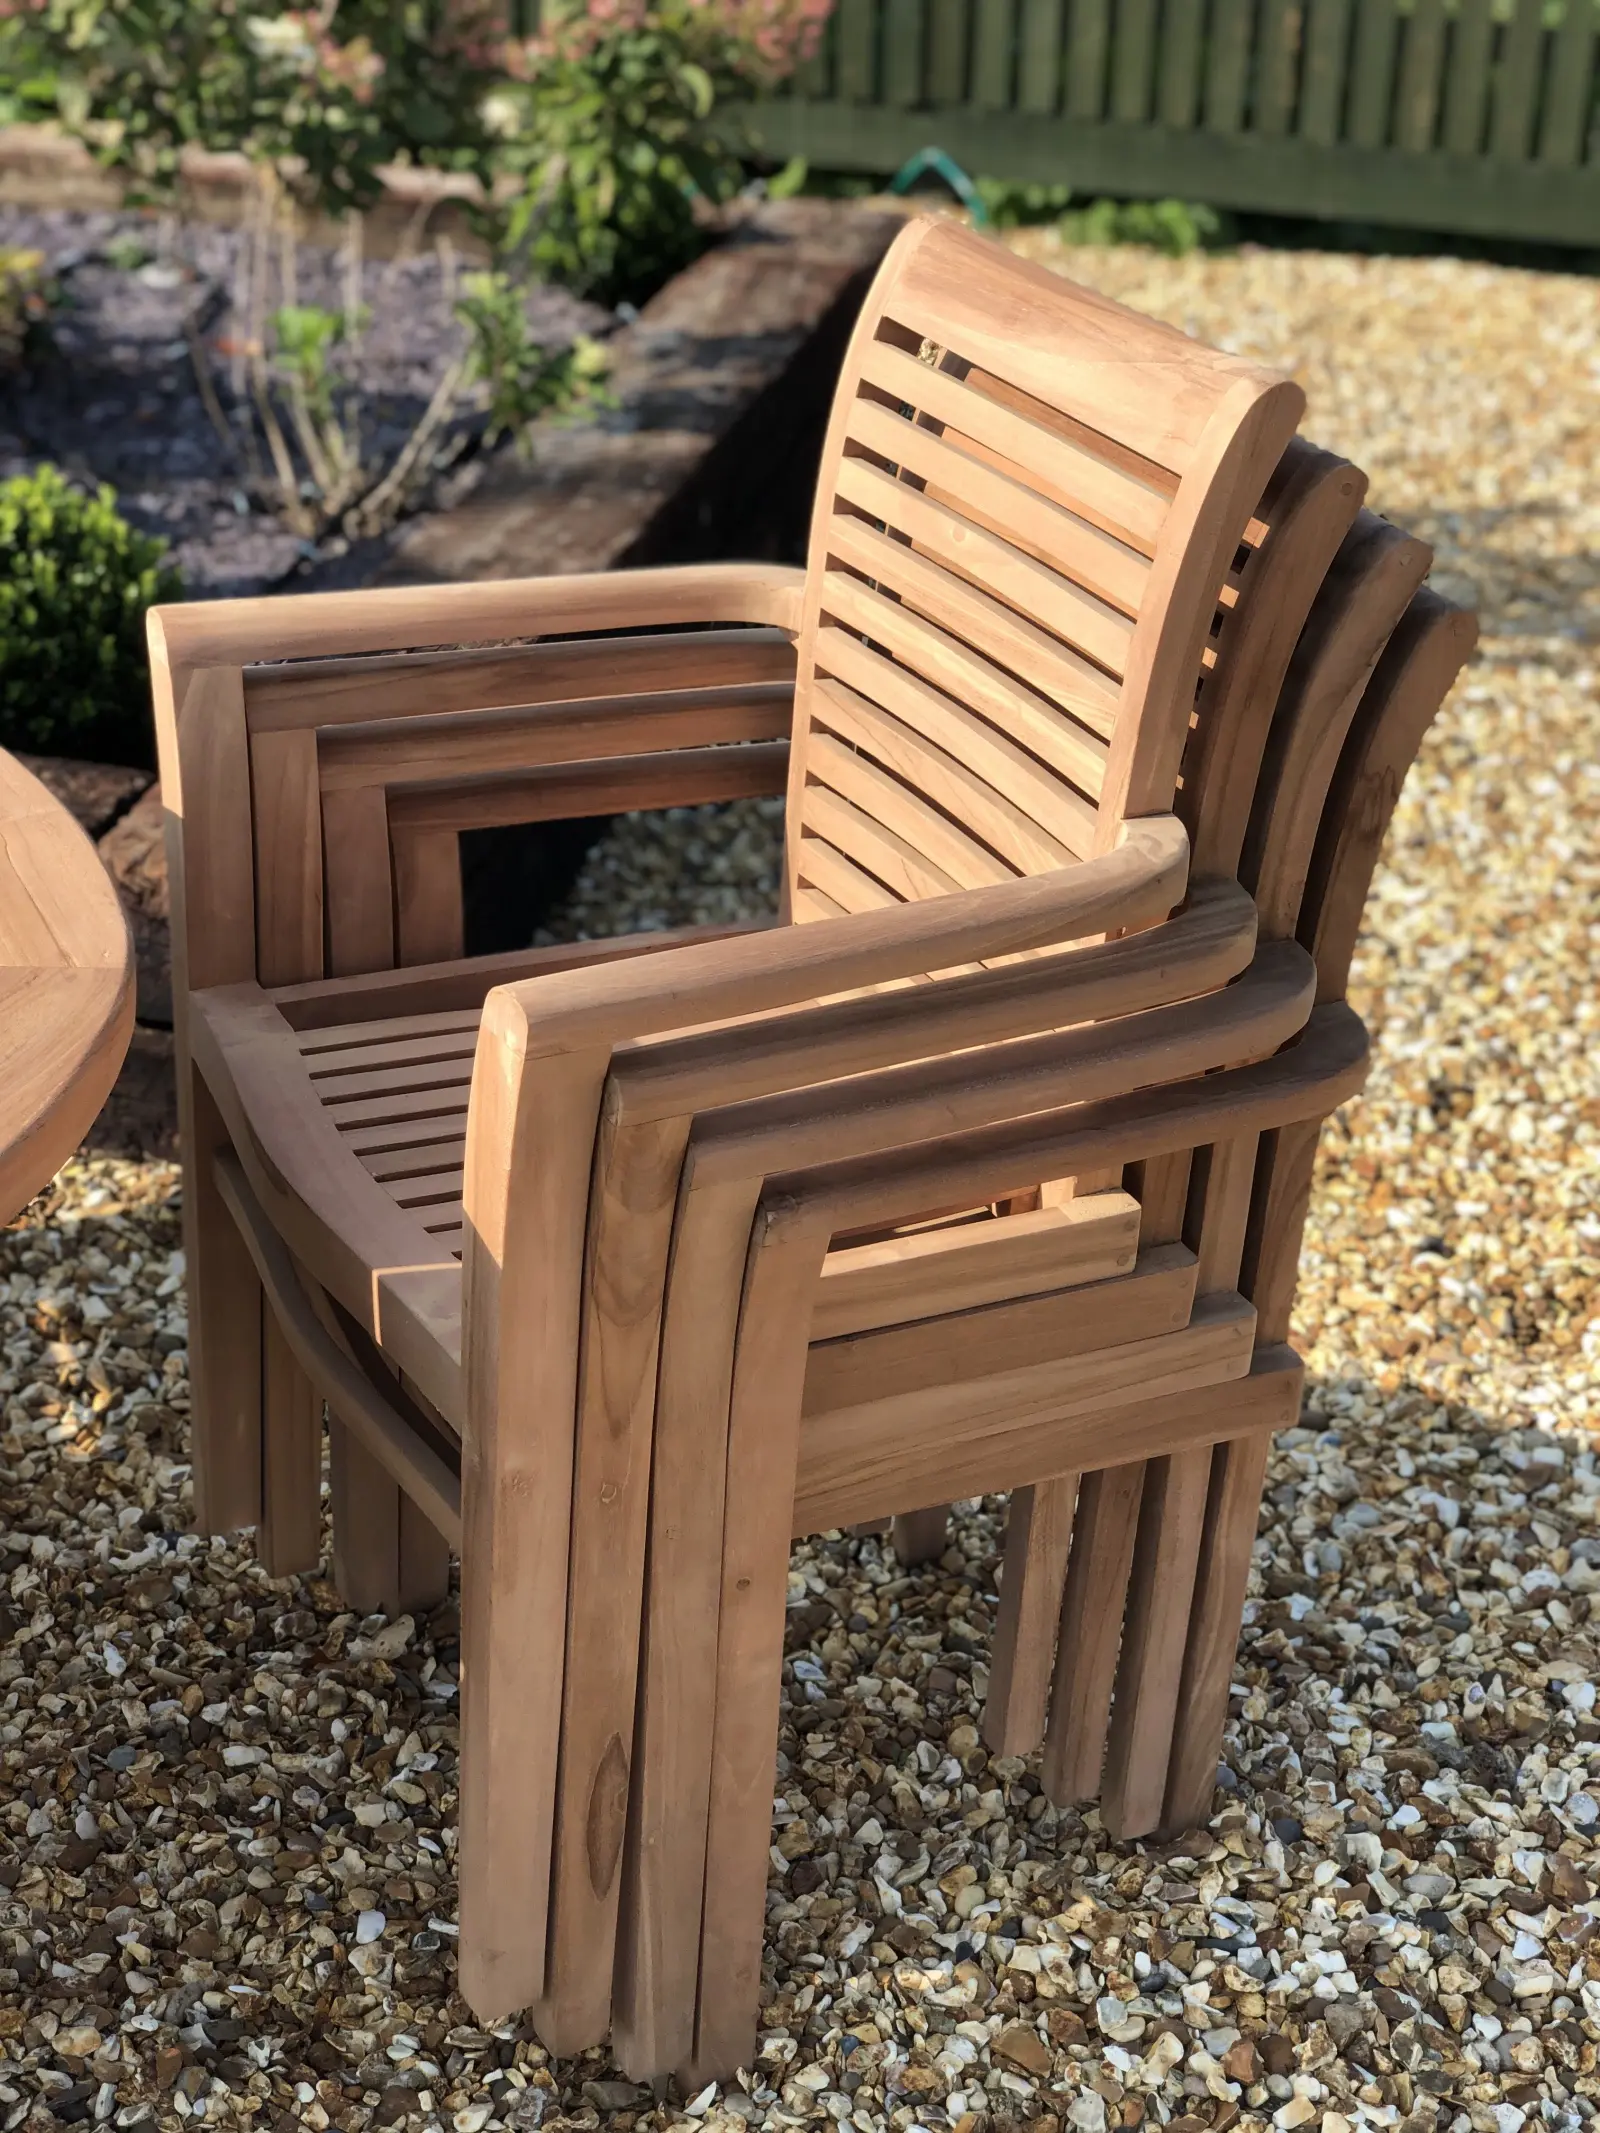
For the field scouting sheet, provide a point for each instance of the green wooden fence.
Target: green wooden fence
(1474, 116)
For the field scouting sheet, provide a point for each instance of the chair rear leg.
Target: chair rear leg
(225, 1329)
(1161, 1587)
(289, 1537)
(387, 1559)
(1033, 1577)
(1091, 1632)
(919, 1536)
(1233, 1507)
(366, 1524)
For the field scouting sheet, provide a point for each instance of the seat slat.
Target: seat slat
(441, 1189)
(1053, 824)
(1072, 476)
(950, 667)
(396, 1167)
(402, 1107)
(872, 846)
(900, 809)
(998, 632)
(1086, 623)
(1097, 560)
(329, 1068)
(344, 1090)
(368, 1141)
(346, 1037)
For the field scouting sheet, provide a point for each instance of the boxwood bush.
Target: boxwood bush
(75, 581)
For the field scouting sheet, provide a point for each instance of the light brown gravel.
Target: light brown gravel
(227, 1812)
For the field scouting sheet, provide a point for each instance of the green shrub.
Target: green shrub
(1175, 227)
(75, 581)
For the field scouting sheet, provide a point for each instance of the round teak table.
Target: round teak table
(66, 985)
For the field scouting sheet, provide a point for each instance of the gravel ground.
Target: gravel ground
(228, 1831)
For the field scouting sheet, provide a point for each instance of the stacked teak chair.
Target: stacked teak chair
(984, 1169)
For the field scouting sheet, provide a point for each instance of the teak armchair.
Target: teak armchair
(616, 1264)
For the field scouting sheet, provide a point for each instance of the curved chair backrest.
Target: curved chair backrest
(1029, 502)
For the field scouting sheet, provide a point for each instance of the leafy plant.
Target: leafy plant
(25, 299)
(1175, 227)
(1011, 207)
(611, 125)
(76, 582)
(342, 86)
(519, 378)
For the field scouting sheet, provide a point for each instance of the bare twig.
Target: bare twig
(377, 507)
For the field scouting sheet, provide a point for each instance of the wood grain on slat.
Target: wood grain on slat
(358, 881)
(948, 666)
(921, 1275)
(334, 692)
(969, 865)
(873, 848)
(394, 751)
(288, 857)
(336, 1068)
(1058, 466)
(1069, 680)
(418, 1133)
(1001, 504)
(957, 1343)
(611, 786)
(428, 917)
(992, 563)
(987, 744)
(930, 769)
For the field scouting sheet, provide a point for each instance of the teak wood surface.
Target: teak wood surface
(617, 1265)
(66, 985)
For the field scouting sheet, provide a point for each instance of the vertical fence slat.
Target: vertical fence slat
(993, 45)
(1466, 85)
(1278, 66)
(902, 53)
(1182, 49)
(1228, 64)
(1039, 55)
(1566, 104)
(1421, 66)
(1133, 55)
(947, 51)
(856, 50)
(1322, 87)
(1516, 82)
(1088, 42)
(1372, 74)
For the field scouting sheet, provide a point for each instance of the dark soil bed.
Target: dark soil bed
(113, 396)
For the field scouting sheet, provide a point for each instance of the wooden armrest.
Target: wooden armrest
(577, 1010)
(223, 633)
